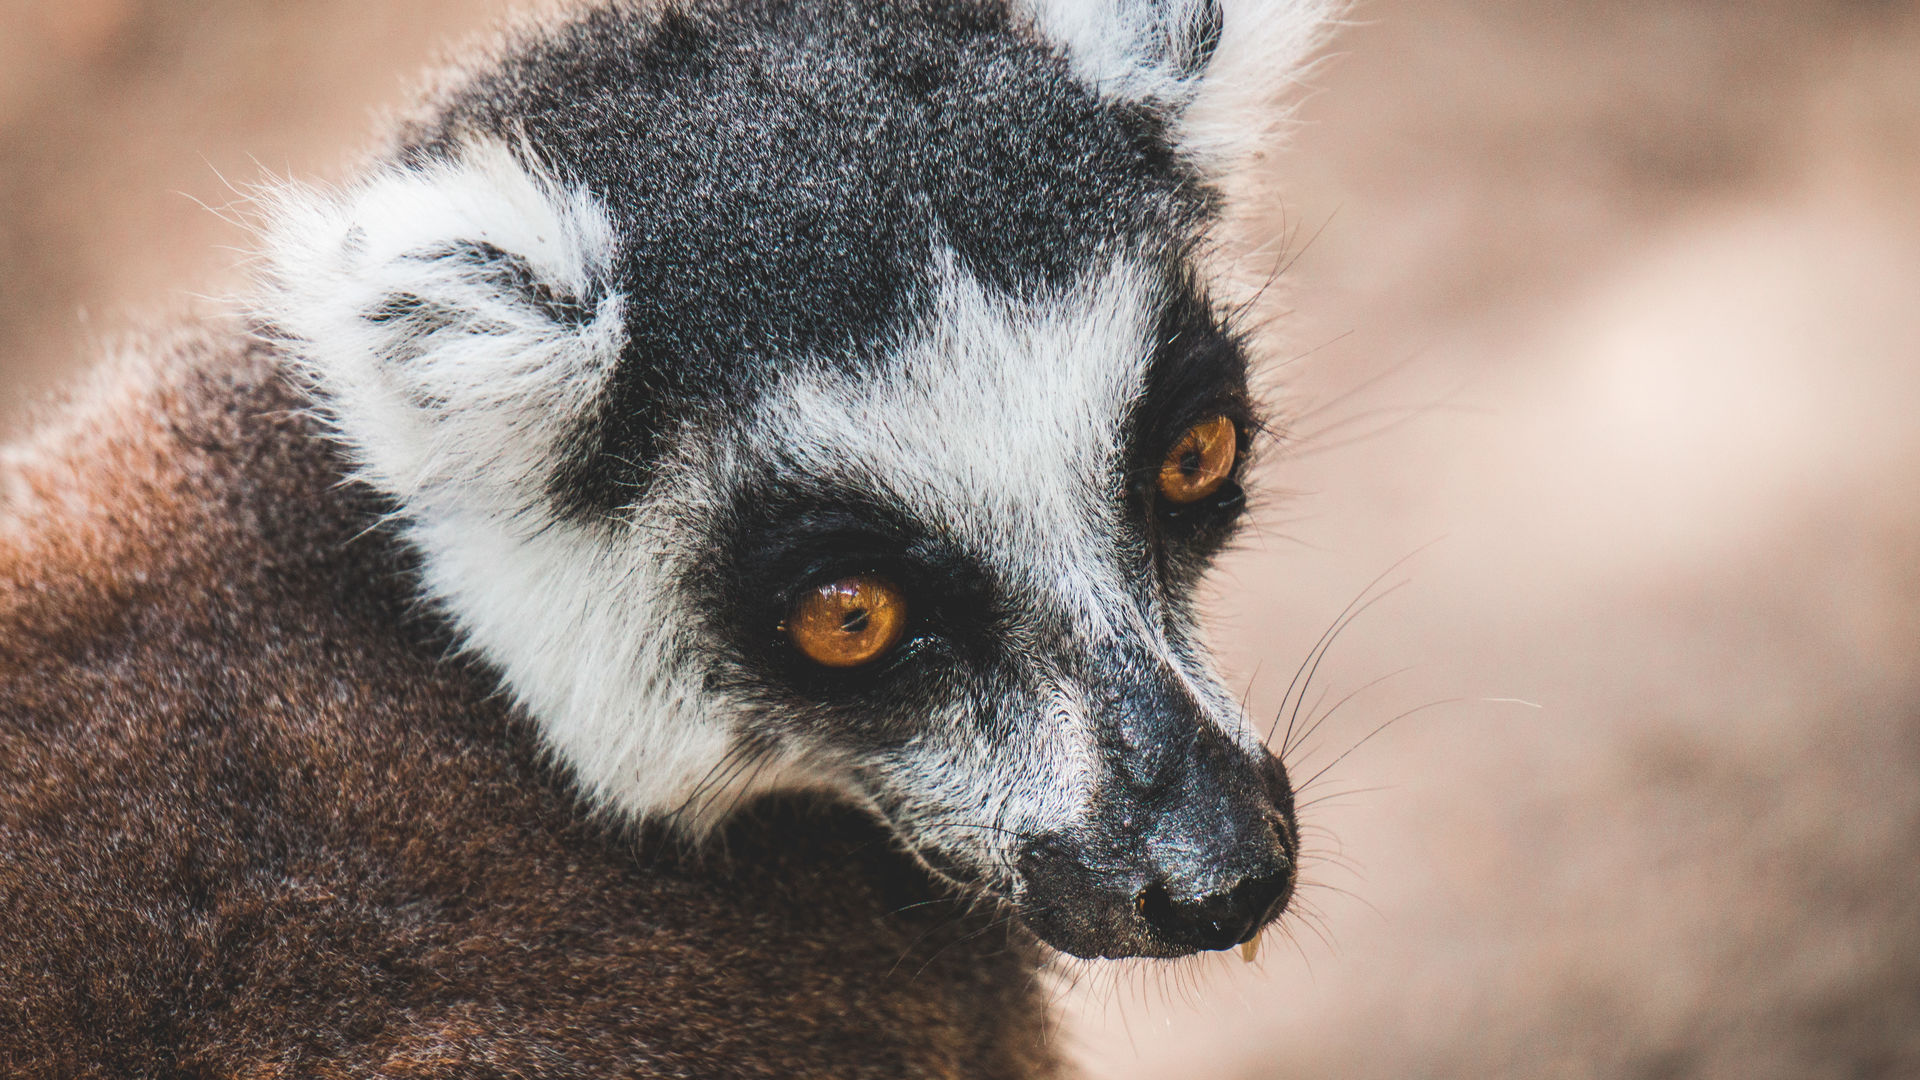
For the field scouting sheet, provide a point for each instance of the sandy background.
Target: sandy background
(1610, 319)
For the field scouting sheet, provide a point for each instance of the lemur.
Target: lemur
(684, 566)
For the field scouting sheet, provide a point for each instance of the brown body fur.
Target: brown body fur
(254, 822)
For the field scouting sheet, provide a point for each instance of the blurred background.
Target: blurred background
(1600, 333)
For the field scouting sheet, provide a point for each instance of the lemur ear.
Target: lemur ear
(1193, 59)
(1135, 49)
(458, 321)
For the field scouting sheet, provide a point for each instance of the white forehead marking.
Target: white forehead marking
(999, 424)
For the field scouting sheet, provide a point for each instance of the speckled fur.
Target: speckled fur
(255, 824)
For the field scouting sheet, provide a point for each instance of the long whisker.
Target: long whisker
(1017, 834)
(725, 760)
(1311, 665)
(737, 760)
(1359, 388)
(993, 924)
(1313, 726)
(1333, 795)
(1348, 893)
(1339, 623)
(1368, 737)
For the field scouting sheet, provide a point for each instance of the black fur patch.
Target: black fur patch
(777, 540)
(509, 271)
(1198, 371)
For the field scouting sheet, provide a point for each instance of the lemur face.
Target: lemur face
(824, 395)
(961, 581)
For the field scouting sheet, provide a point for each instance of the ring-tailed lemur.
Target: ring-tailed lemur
(767, 396)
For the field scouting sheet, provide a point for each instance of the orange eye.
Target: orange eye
(1199, 463)
(849, 622)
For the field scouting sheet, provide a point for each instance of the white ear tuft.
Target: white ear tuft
(1138, 50)
(458, 319)
(1217, 66)
(460, 323)
(1243, 100)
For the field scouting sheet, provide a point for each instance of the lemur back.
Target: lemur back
(256, 824)
(684, 566)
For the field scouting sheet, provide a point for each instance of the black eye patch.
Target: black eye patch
(779, 539)
(1198, 372)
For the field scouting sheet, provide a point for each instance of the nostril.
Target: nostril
(1265, 894)
(1155, 905)
(1218, 920)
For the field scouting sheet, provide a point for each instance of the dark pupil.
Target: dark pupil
(1190, 462)
(855, 621)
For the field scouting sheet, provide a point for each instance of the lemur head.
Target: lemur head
(825, 394)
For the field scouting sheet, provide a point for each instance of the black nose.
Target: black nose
(1216, 920)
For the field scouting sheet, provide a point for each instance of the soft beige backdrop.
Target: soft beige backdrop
(1610, 318)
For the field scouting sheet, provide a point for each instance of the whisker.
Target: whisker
(1334, 795)
(1362, 386)
(1348, 893)
(1303, 676)
(1326, 646)
(1314, 726)
(994, 924)
(1384, 726)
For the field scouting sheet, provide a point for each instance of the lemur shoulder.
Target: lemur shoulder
(683, 567)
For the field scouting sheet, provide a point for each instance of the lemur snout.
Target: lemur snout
(1163, 895)
(1198, 864)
